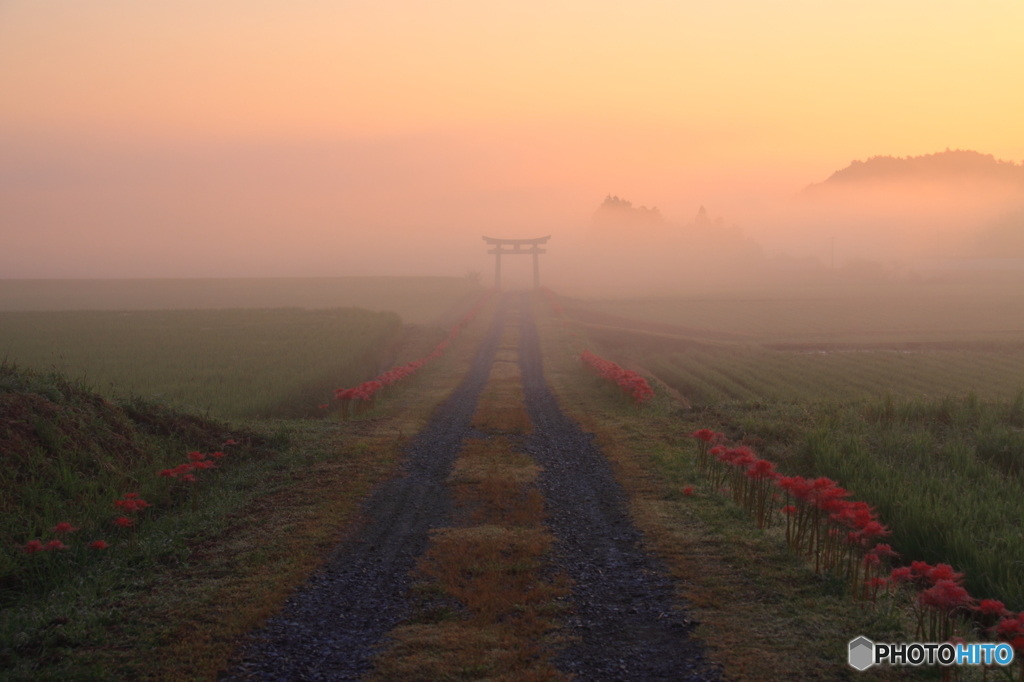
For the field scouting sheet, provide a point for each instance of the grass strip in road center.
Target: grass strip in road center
(485, 601)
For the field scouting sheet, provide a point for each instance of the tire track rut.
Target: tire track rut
(627, 621)
(331, 628)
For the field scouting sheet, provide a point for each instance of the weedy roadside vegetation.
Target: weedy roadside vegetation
(196, 564)
(762, 613)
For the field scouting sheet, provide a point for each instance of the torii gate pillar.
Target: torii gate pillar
(517, 245)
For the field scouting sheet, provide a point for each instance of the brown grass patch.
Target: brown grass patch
(501, 408)
(492, 568)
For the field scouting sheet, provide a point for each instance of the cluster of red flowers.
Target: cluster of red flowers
(131, 503)
(63, 528)
(842, 535)
(629, 381)
(553, 301)
(197, 462)
(366, 391)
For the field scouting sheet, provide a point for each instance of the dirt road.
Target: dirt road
(626, 623)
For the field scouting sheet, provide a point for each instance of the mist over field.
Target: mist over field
(419, 206)
(544, 340)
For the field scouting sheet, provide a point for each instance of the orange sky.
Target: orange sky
(465, 113)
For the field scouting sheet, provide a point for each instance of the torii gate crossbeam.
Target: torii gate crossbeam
(516, 249)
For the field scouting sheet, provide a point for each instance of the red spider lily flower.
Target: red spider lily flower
(131, 496)
(992, 607)
(188, 478)
(217, 455)
(688, 490)
(884, 550)
(741, 456)
(797, 486)
(64, 527)
(123, 522)
(1010, 628)
(167, 473)
(131, 504)
(324, 406)
(1018, 645)
(55, 545)
(944, 572)
(195, 456)
(181, 469)
(98, 544)
(872, 559)
(628, 380)
(903, 574)
(706, 435)
(874, 530)
(946, 595)
(875, 583)
(920, 568)
(34, 546)
(761, 468)
(229, 442)
(204, 465)
(789, 510)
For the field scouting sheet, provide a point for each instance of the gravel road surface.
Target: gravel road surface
(627, 623)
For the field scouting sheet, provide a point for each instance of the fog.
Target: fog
(419, 204)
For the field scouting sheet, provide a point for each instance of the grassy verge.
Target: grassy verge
(764, 614)
(173, 601)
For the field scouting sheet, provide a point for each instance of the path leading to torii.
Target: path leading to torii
(625, 622)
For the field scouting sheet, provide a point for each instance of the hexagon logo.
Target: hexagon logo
(862, 653)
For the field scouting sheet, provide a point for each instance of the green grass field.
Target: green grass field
(916, 404)
(231, 363)
(709, 375)
(417, 300)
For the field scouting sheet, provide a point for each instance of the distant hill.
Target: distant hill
(948, 166)
(616, 210)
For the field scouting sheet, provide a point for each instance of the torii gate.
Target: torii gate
(516, 245)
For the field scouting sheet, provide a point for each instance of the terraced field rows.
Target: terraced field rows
(747, 373)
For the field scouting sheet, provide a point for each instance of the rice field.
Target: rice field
(228, 363)
(886, 314)
(920, 414)
(417, 300)
(947, 476)
(713, 374)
